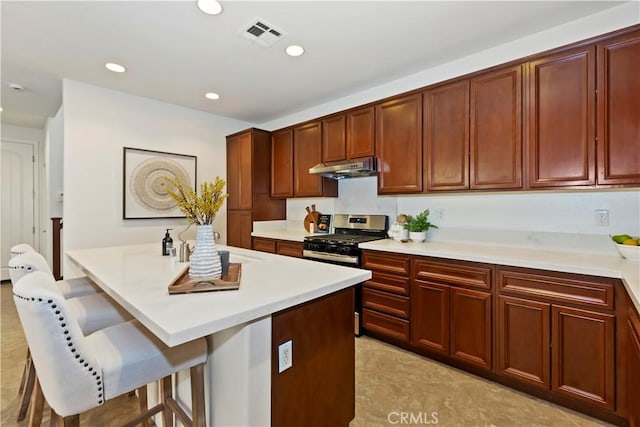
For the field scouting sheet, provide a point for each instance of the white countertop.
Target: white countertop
(137, 277)
(291, 235)
(597, 264)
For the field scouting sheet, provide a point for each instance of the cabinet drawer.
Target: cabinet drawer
(264, 245)
(386, 303)
(471, 274)
(387, 262)
(576, 289)
(384, 324)
(293, 249)
(389, 283)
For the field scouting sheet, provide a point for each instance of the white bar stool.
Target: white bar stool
(70, 287)
(78, 373)
(93, 312)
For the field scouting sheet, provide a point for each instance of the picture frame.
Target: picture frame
(144, 185)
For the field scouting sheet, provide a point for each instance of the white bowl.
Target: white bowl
(629, 252)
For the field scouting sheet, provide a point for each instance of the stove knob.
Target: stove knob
(344, 250)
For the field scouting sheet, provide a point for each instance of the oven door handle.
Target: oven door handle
(329, 257)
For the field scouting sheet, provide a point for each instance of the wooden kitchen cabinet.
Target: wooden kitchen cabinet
(399, 144)
(288, 248)
(446, 137)
(496, 130)
(561, 144)
(334, 138)
(619, 110)
(580, 344)
(361, 133)
(307, 152)
(264, 245)
(523, 339)
(282, 163)
(248, 172)
(582, 359)
(633, 368)
(239, 227)
(385, 297)
(451, 310)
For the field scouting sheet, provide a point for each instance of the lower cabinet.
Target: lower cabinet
(280, 247)
(543, 342)
(448, 318)
(385, 298)
(633, 368)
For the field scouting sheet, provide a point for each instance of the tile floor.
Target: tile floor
(390, 384)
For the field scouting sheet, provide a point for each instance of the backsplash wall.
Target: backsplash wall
(552, 211)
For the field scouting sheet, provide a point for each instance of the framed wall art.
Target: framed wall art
(145, 188)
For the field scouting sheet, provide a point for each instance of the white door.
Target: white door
(17, 199)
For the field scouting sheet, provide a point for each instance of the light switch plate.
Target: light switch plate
(285, 356)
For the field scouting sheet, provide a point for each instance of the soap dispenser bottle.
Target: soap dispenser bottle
(167, 243)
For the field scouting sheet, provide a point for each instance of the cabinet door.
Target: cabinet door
(470, 326)
(496, 129)
(360, 133)
(561, 145)
(399, 145)
(523, 340)
(619, 110)
(633, 369)
(282, 163)
(264, 245)
(430, 316)
(293, 249)
(307, 153)
(582, 355)
(239, 227)
(239, 171)
(446, 137)
(334, 145)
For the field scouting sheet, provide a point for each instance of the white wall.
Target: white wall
(554, 211)
(98, 123)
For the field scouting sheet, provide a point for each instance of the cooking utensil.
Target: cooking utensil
(312, 216)
(313, 208)
(308, 210)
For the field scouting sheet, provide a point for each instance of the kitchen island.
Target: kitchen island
(275, 292)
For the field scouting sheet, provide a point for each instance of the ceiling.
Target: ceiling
(175, 53)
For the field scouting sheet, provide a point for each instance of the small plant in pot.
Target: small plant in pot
(418, 226)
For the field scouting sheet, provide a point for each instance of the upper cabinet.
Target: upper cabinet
(446, 137)
(282, 163)
(361, 133)
(619, 110)
(239, 169)
(349, 135)
(496, 129)
(307, 152)
(561, 145)
(334, 141)
(399, 144)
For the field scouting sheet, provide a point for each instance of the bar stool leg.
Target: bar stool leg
(37, 404)
(29, 379)
(198, 412)
(144, 405)
(166, 393)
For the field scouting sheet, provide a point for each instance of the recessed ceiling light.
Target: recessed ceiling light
(116, 68)
(16, 87)
(294, 50)
(1, 110)
(212, 95)
(210, 7)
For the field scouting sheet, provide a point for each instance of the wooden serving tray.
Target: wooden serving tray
(185, 285)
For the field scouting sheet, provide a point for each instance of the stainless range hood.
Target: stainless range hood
(354, 168)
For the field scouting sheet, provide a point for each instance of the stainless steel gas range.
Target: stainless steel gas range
(342, 247)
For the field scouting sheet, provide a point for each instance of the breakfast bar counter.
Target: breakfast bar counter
(237, 323)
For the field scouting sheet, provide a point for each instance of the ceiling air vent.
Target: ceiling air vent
(261, 32)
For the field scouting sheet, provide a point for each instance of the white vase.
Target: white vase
(205, 261)
(418, 236)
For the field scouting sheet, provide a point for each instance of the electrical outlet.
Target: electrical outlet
(602, 218)
(285, 356)
(439, 214)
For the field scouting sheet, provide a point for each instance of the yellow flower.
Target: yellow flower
(200, 209)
